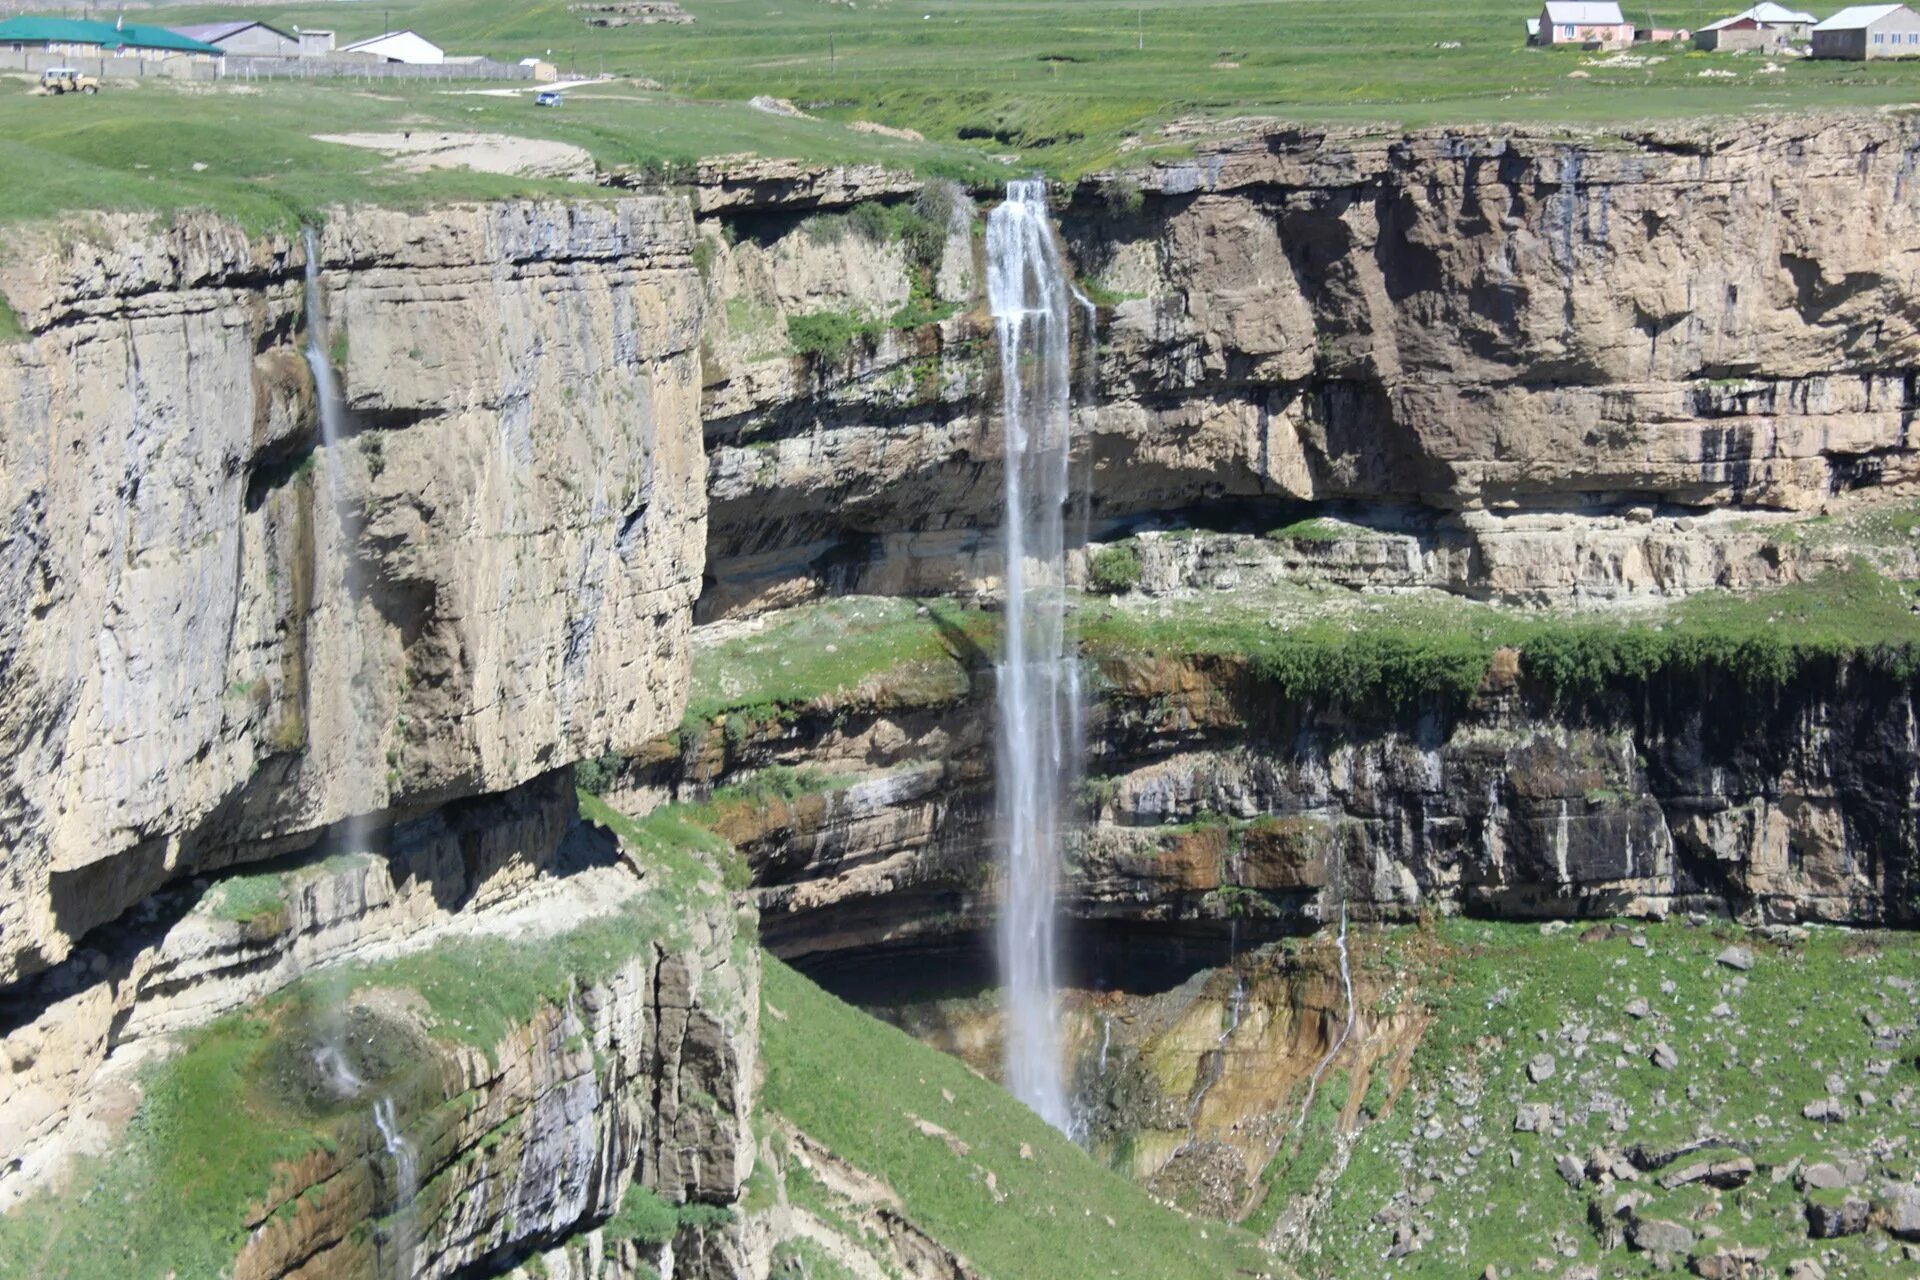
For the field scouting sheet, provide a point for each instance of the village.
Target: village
(1856, 33)
(79, 52)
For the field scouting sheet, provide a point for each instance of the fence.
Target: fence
(268, 68)
(37, 60)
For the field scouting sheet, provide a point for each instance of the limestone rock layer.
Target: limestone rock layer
(219, 639)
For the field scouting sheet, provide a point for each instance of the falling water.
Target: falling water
(332, 423)
(1038, 676)
(1346, 1027)
(330, 1056)
(406, 1181)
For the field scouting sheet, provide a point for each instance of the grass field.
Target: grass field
(249, 150)
(1062, 82)
(997, 87)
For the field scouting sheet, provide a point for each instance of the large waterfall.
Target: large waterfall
(1038, 677)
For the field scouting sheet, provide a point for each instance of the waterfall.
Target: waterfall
(1346, 1028)
(332, 421)
(330, 1055)
(331, 1058)
(1038, 676)
(406, 1181)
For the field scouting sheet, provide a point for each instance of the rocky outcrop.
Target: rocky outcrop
(407, 1138)
(1219, 804)
(750, 183)
(1683, 790)
(821, 459)
(1678, 315)
(189, 679)
(200, 951)
(1517, 558)
(641, 1077)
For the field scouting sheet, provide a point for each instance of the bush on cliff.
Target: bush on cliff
(830, 335)
(1115, 569)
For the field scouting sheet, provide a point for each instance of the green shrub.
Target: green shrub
(919, 224)
(829, 335)
(1115, 569)
(643, 1216)
(703, 255)
(11, 329)
(596, 777)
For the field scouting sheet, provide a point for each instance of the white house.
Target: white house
(1865, 31)
(1765, 26)
(400, 46)
(1584, 22)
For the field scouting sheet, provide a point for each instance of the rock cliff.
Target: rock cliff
(292, 727)
(189, 681)
(1221, 799)
(1501, 340)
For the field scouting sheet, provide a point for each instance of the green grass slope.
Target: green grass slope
(136, 147)
(858, 1086)
(1830, 1014)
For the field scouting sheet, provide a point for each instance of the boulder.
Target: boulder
(1831, 1219)
(1896, 1210)
(1659, 1235)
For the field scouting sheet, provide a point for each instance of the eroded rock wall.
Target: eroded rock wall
(1219, 806)
(1502, 336)
(193, 675)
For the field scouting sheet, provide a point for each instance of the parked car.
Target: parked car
(546, 98)
(59, 80)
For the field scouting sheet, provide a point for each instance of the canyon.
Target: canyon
(1499, 526)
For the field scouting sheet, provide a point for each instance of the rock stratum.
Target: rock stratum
(293, 728)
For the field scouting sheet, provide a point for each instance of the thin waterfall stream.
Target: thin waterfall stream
(1038, 677)
(330, 1056)
(406, 1182)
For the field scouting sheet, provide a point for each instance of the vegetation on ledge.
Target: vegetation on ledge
(848, 650)
(1338, 646)
(1313, 644)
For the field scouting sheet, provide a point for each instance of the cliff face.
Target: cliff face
(1217, 804)
(290, 733)
(278, 714)
(189, 679)
(1468, 321)
(1485, 342)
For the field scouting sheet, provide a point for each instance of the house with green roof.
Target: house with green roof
(78, 38)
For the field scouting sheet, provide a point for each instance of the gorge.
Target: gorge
(1484, 531)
